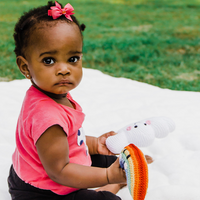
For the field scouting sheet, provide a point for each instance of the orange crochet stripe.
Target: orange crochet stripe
(140, 172)
(136, 171)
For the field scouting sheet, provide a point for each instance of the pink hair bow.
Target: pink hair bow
(57, 11)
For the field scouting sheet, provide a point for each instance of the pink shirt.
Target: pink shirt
(38, 113)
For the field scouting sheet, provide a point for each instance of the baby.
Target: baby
(50, 161)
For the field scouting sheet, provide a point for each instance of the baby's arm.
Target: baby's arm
(98, 145)
(53, 151)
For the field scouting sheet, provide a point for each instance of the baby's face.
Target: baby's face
(54, 56)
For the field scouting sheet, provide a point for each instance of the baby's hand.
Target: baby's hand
(149, 159)
(101, 144)
(115, 174)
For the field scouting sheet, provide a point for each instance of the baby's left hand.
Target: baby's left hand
(101, 144)
(149, 159)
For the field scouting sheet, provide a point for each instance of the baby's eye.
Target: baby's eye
(48, 61)
(74, 59)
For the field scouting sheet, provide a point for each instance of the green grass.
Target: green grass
(157, 42)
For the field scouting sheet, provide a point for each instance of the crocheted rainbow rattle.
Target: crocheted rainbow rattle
(132, 160)
(141, 133)
(134, 163)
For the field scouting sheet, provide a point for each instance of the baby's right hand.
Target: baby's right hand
(115, 174)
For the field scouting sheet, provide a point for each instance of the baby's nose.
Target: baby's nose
(63, 69)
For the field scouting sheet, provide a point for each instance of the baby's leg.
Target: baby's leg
(102, 161)
(20, 190)
(91, 195)
(114, 188)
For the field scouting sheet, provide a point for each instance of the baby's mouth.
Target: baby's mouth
(64, 82)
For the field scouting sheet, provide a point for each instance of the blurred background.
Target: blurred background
(156, 42)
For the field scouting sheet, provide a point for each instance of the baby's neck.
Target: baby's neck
(51, 95)
(59, 98)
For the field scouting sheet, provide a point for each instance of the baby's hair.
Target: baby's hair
(27, 22)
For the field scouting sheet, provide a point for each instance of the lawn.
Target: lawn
(157, 42)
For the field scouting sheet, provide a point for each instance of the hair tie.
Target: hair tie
(56, 11)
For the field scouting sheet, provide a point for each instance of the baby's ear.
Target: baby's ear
(162, 126)
(23, 66)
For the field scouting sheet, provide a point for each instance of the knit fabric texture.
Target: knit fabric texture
(133, 161)
(141, 133)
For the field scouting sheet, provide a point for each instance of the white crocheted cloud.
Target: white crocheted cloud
(141, 133)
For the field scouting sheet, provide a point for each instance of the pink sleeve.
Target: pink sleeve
(45, 115)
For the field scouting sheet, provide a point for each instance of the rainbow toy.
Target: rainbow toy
(133, 161)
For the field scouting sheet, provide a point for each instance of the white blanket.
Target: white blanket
(111, 103)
